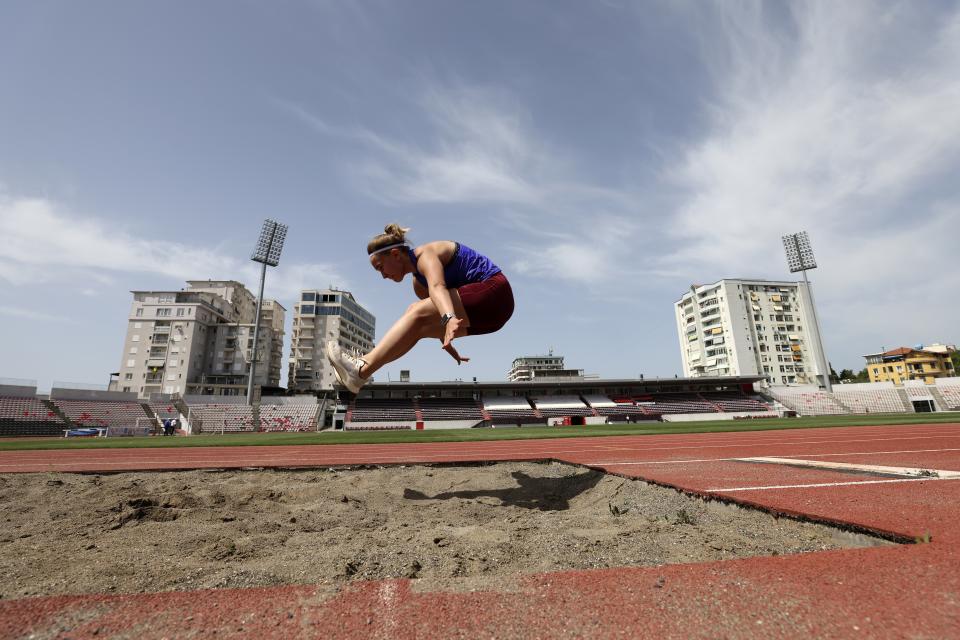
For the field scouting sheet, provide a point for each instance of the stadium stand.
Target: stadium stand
(299, 415)
(164, 410)
(382, 410)
(949, 389)
(808, 401)
(675, 403)
(561, 406)
(511, 411)
(450, 409)
(617, 407)
(917, 390)
(218, 417)
(877, 397)
(25, 416)
(599, 402)
(102, 413)
(735, 402)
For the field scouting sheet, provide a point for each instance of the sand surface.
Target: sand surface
(450, 527)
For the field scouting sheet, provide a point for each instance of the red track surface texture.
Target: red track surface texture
(895, 592)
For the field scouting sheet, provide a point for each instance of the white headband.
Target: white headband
(388, 247)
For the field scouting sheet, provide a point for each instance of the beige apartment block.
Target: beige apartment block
(199, 341)
(321, 315)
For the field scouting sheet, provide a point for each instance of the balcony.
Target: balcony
(161, 329)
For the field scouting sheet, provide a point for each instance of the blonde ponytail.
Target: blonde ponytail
(393, 234)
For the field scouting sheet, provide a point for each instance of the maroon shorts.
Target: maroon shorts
(489, 304)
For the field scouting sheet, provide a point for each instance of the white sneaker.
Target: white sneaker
(346, 367)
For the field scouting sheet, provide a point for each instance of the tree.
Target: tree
(955, 356)
(847, 375)
(863, 376)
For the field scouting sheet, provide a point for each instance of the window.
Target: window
(163, 312)
(137, 325)
(128, 376)
(133, 350)
(131, 363)
(135, 338)
(126, 388)
(309, 297)
(139, 313)
(181, 311)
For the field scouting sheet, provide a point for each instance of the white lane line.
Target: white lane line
(909, 472)
(792, 455)
(788, 443)
(826, 484)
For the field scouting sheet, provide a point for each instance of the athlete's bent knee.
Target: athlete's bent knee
(422, 310)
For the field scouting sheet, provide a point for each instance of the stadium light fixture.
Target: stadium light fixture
(270, 243)
(799, 252)
(800, 258)
(267, 252)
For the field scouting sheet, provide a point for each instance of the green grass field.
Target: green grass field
(467, 435)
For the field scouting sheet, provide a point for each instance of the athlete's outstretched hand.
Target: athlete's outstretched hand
(456, 356)
(450, 331)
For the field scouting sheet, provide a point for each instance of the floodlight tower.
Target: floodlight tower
(267, 252)
(800, 258)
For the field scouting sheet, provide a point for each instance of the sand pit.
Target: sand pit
(448, 527)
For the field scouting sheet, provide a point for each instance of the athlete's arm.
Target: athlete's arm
(420, 290)
(429, 264)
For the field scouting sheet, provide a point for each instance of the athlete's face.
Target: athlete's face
(389, 265)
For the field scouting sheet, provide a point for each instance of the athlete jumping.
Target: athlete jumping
(461, 293)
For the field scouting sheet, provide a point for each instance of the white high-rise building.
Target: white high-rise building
(321, 315)
(199, 341)
(527, 368)
(749, 327)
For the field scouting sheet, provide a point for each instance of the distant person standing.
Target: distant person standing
(461, 293)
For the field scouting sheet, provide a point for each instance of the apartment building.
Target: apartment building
(321, 315)
(528, 368)
(750, 327)
(917, 363)
(199, 340)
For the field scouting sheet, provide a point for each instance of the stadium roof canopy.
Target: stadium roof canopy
(555, 386)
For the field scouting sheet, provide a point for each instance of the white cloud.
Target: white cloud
(477, 152)
(808, 135)
(43, 243)
(480, 149)
(31, 314)
(844, 122)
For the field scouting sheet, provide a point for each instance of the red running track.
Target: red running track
(891, 592)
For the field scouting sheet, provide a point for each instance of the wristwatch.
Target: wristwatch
(445, 318)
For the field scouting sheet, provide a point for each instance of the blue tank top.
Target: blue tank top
(466, 266)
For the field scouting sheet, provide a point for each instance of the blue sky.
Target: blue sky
(605, 154)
